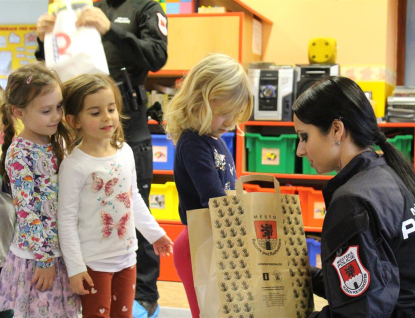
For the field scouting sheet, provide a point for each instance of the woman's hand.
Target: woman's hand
(44, 277)
(77, 283)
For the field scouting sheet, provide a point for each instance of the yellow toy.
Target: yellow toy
(322, 51)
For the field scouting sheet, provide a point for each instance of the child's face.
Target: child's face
(42, 116)
(99, 117)
(220, 123)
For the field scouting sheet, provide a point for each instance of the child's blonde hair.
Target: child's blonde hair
(75, 92)
(23, 86)
(218, 78)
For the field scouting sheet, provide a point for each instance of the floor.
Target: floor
(173, 301)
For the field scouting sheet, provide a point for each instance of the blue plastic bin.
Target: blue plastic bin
(229, 139)
(314, 249)
(163, 152)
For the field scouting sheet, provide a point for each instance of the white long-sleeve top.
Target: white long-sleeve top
(97, 217)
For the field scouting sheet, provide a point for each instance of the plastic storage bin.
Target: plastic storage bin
(229, 139)
(167, 270)
(402, 143)
(164, 201)
(307, 169)
(313, 207)
(314, 252)
(256, 188)
(271, 154)
(163, 152)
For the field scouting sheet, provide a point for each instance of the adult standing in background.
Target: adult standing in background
(134, 35)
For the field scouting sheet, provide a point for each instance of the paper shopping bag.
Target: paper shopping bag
(72, 50)
(251, 259)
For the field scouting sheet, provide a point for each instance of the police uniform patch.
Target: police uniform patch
(162, 23)
(354, 277)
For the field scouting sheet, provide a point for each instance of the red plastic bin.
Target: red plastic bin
(167, 270)
(313, 207)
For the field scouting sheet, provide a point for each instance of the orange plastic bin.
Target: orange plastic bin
(167, 269)
(313, 207)
(256, 188)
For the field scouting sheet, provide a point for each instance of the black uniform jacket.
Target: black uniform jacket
(367, 243)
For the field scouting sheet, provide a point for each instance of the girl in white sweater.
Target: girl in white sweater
(99, 204)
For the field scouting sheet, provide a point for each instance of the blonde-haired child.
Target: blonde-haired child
(214, 98)
(34, 281)
(99, 203)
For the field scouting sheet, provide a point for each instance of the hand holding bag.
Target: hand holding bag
(249, 255)
(72, 50)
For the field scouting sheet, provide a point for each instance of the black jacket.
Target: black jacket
(367, 243)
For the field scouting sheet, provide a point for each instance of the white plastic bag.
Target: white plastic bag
(72, 50)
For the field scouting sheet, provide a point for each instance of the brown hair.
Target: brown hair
(79, 87)
(24, 85)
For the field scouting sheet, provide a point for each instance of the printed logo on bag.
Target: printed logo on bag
(354, 278)
(122, 20)
(61, 42)
(266, 240)
(162, 23)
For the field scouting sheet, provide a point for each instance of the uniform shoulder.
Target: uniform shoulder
(146, 5)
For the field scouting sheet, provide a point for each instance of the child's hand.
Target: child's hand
(44, 277)
(77, 283)
(163, 246)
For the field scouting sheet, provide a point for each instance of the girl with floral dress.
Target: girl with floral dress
(34, 280)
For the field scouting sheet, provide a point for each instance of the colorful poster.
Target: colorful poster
(17, 47)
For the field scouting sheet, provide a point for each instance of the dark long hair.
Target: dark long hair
(24, 84)
(338, 97)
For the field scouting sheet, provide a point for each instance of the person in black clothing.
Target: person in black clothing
(368, 236)
(134, 35)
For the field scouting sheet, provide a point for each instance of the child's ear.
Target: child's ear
(72, 121)
(17, 112)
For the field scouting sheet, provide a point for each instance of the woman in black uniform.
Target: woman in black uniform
(368, 236)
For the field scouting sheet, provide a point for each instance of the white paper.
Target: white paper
(257, 37)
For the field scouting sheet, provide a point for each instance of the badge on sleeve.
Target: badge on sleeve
(162, 23)
(354, 277)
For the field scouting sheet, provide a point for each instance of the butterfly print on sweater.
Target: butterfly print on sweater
(98, 183)
(124, 198)
(110, 225)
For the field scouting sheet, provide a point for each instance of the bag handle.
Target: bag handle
(256, 177)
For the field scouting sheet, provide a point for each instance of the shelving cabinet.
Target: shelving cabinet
(274, 128)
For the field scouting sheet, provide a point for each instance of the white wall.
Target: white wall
(21, 11)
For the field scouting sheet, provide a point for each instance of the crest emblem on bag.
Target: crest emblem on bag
(266, 236)
(354, 277)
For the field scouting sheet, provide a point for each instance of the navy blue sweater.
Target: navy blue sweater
(203, 169)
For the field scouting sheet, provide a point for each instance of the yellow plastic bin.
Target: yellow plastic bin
(164, 201)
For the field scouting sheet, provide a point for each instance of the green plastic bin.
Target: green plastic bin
(271, 154)
(403, 143)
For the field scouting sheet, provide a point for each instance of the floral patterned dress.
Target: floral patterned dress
(34, 185)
